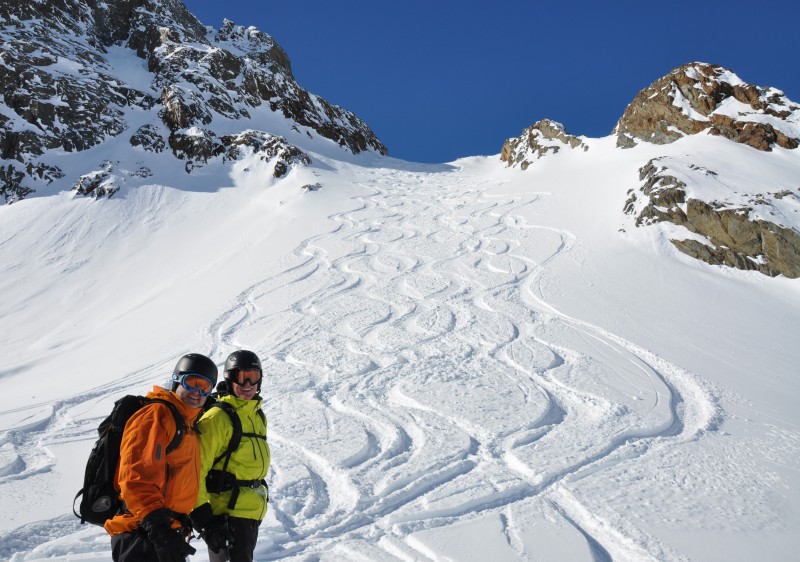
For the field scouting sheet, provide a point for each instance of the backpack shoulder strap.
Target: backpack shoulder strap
(236, 437)
(180, 423)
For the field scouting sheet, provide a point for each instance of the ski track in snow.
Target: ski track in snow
(416, 377)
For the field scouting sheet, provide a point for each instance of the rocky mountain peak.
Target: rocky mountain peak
(63, 91)
(259, 46)
(723, 215)
(536, 141)
(699, 97)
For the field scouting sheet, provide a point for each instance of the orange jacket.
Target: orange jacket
(147, 477)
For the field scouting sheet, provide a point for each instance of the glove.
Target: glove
(169, 543)
(213, 528)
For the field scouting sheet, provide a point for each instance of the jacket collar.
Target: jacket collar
(240, 404)
(187, 412)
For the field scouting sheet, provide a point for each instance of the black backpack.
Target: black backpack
(218, 481)
(101, 499)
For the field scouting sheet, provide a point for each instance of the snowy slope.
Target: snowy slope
(463, 361)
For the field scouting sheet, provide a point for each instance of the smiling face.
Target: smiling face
(245, 383)
(193, 389)
(192, 398)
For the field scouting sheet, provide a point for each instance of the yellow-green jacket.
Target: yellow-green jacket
(249, 462)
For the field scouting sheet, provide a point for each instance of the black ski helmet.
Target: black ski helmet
(242, 360)
(196, 363)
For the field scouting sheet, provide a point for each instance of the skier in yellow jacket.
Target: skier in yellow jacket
(233, 496)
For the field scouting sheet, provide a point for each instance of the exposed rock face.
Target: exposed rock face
(698, 97)
(268, 147)
(107, 180)
(536, 141)
(149, 137)
(732, 236)
(61, 92)
(732, 226)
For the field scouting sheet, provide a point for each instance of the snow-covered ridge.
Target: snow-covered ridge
(81, 76)
(728, 212)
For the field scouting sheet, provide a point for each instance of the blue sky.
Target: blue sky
(442, 79)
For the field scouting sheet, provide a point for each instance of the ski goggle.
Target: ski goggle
(194, 383)
(239, 377)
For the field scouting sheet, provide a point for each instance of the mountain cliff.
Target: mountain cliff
(75, 74)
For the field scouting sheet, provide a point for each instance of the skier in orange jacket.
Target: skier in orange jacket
(159, 486)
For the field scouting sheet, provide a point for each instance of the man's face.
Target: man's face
(245, 383)
(194, 390)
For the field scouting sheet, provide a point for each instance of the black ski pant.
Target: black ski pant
(245, 535)
(132, 547)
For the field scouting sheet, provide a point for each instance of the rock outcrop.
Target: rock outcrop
(701, 97)
(731, 224)
(728, 232)
(62, 89)
(726, 222)
(536, 141)
(107, 179)
(268, 148)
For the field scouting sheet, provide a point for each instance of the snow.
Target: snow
(765, 182)
(67, 66)
(124, 62)
(463, 361)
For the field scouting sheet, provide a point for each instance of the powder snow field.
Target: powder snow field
(463, 361)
